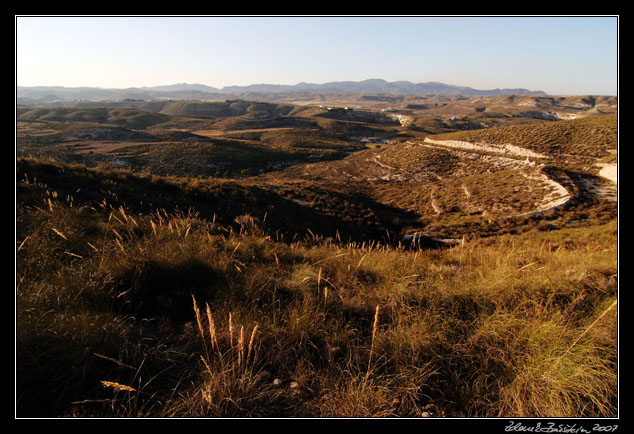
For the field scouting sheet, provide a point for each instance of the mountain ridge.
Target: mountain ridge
(200, 91)
(401, 87)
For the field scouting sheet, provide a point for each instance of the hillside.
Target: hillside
(409, 256)
(366, 166)
(593, 136)
(453, 186)
(173, 144)
(155, 307)
(129, 118)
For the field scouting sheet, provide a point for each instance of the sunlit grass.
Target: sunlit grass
(169, 313)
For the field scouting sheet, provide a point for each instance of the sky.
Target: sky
(560, 55)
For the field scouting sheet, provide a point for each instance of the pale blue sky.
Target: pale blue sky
(559, 55)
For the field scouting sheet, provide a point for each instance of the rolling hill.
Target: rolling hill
(353, 255)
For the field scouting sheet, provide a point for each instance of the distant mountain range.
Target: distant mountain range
(378, 86)
(50, 94)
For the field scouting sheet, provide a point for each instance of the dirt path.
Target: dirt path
(508, 149)
(385, 166)
(609, 171)
(556, 198)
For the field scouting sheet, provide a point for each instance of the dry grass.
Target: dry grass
(513, 326)
(592, 136)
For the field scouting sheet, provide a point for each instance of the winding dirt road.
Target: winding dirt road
(609, 171)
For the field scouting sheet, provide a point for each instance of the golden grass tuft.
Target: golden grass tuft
(118, 386)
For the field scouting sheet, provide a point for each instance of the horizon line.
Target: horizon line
(308, 83)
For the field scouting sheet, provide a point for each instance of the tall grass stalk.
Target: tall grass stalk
(559, 359)
(375, 326)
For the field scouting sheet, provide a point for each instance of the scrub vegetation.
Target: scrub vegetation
(265, 271)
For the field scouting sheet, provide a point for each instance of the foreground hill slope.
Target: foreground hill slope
(136, 298)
